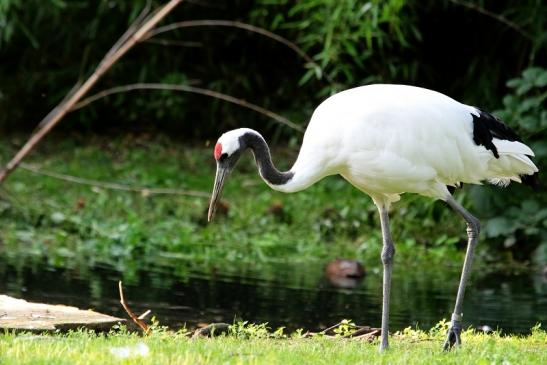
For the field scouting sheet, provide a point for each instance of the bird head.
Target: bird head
(227, 152)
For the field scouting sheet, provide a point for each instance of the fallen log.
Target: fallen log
(20, 315)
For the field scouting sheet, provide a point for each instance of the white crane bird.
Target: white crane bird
(387, 140)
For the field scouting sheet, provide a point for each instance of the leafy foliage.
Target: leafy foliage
(246, 330)
(452, 46)
(346, 328)
(46, 46)
(78, 225)
(521, 215)
(351, 42)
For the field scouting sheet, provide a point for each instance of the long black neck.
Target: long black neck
(263, 158)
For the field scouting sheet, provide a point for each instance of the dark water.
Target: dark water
(513, 303)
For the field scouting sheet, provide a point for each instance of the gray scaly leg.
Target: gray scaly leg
(473, 228)
(388, 251)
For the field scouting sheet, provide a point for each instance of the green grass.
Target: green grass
(257, 347)
(79, 227)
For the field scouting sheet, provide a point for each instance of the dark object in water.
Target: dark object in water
(345, 268)
(344, 273)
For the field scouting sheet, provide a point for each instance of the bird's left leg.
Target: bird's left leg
(473, 228)
(388, 251)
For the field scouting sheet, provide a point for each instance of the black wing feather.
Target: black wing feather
(486, 127)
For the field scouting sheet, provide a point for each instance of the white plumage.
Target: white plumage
(391, 139)
(387, 140)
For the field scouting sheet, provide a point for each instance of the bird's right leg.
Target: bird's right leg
(473, 228)
(388, 251)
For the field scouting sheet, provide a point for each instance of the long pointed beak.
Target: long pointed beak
(222, 173)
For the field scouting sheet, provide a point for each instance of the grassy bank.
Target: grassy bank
(74, 225)
(407, 347)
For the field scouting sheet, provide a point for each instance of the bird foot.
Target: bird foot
(383, 346)
(453, 336)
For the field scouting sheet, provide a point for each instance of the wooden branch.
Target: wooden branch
(191, 89)
(364, 330)
(331, 328)
(172, 42)
(240, 25)
(369, 336)
(133, 35)
(139, 322)
(361, 332)
(145, 191)
(145, 314)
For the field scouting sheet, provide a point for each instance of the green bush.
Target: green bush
(46, 46)
(464, 49)
(519, 214)
(351, 42)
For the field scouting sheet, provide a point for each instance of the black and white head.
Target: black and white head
(228, 150)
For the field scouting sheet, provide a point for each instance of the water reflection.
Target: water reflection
(512, 303)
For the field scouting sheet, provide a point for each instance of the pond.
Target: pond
(512, 303)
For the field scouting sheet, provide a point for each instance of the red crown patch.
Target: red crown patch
(218, 151)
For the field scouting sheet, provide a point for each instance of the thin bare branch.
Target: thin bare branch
(190, 89)
(135, 34)
(173, 42)
(331, 327)
(370, 336)
(363, 330)
(58, 108)
(240, 25)
(139, 322)
(130, 31)
(499, 18)
(146, 191)
(145, 314)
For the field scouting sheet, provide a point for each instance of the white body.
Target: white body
(391, 139)
(387, 140)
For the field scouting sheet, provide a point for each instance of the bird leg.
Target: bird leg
(388, 251)
(473, 228)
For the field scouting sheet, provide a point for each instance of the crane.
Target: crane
(387, 140)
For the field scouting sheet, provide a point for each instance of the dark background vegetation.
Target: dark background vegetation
(486, 53)
(47, 45)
